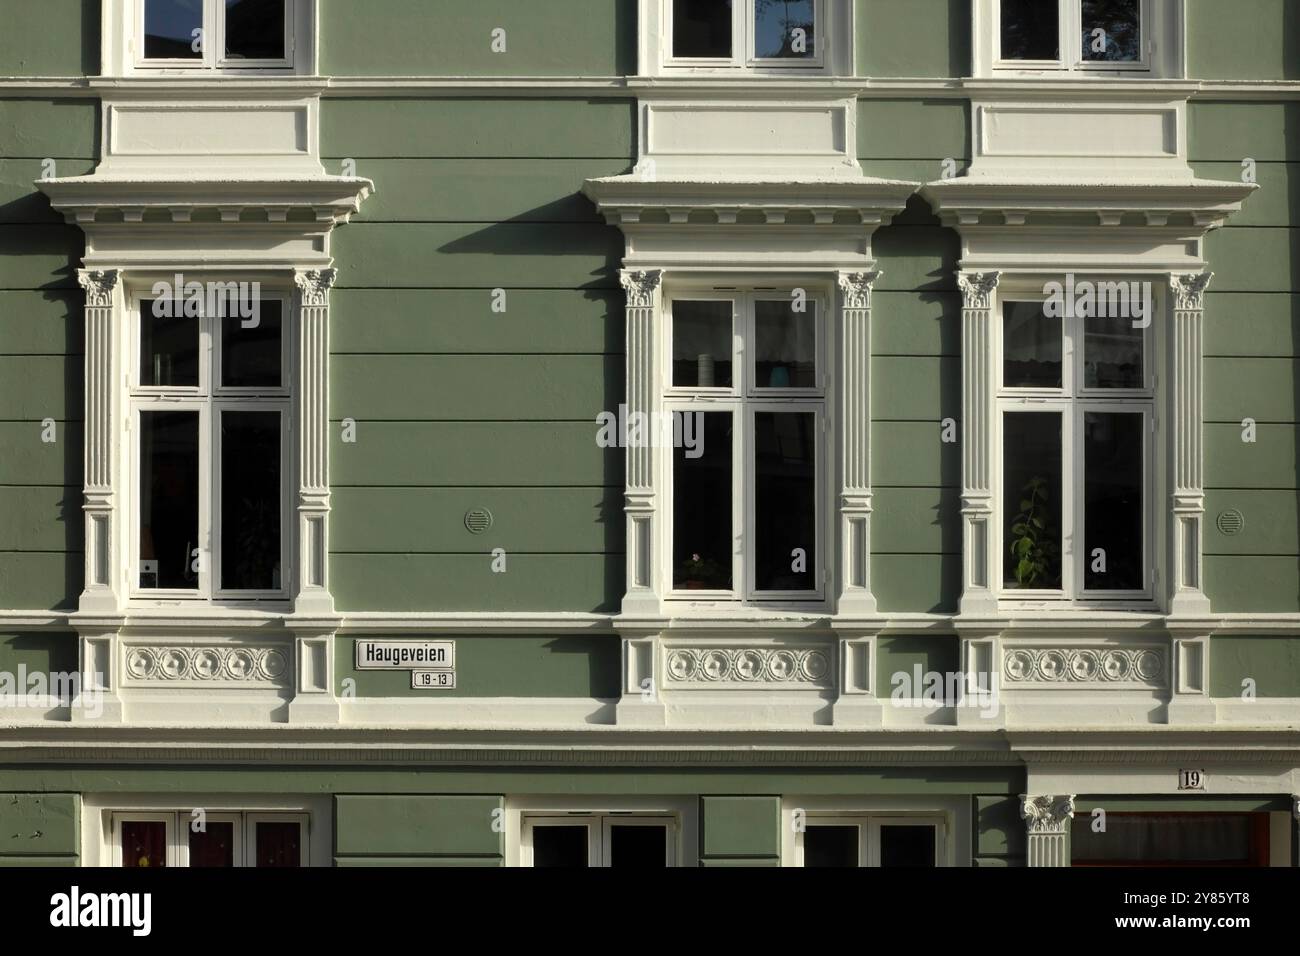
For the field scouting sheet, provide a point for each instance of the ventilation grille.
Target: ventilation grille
(1231, 522)
(478, 520)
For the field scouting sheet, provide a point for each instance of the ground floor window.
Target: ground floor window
(1171, 839)
(163, 838)
(851, 841)
(591, 839)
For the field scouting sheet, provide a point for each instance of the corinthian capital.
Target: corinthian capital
(99, 285)
(315, 285)
(1189, 289)
(1047, 814)
(977, 288)
(856, 287)
(641, 286)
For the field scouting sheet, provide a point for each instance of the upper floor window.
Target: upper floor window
(637, 841)
(215, 34)
(210, 408)
(850, 840)
(1075, 409)
(1110, 35)
(746, 388)
(746, 36)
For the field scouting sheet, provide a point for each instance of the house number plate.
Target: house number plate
(1191, 780)
(433, 680)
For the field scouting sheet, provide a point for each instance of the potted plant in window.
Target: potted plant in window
(1033, 542)
(698, 574)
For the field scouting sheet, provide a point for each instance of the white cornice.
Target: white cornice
(620, 86)
(325, 199)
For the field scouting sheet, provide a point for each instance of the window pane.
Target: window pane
(1031, 30)
(784, 29)
(560, 846)
(169, 345)
(279, 844)
(169, 27)
(1112, 461)
(169, 499)
(1120, 23)
(1031, 444)
(830, 846)
(702, 345)
(785, 501)
(786, 350)
(255, 29)
(250, 501)
(144, 843)
(906, 845)
(250, 348)
(645, 847)
(702, 532)
(702, 28)
(1031, 347)
(215, 847)
(1112, 354)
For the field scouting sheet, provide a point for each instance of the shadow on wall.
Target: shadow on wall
(531, 234)
(90, 37)
(1292, 113)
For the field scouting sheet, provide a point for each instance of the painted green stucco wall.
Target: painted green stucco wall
(41, 371)
(458, 406)
(913, 38)
(1271, 663)
(1252, 345)
(39, 829)
(555, 38)
(51, 38)
(1243, 39)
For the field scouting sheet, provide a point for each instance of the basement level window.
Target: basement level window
(599, 840)
(744, 34)
(871, 841)
(215, 34)
(179, 838)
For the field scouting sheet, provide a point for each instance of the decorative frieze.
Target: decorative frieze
(208, 664)
(749, 666)
(1114, 667)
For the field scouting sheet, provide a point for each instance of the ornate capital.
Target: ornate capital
(977, 288)
(641, 286)
(1047, 815)
(315, 285)
(1189, 290)
(99, 286)
(856, 287)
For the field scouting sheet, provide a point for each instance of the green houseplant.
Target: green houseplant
(1033, 541)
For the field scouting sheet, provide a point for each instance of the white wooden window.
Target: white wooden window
(1074, 436)
(1106, 36)
(599, 840)
(222, 35)
(209, 453)
(182, 838)
(861, 840)
(744, 387)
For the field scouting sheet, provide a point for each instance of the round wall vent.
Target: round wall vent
(478, 520)
(1231, 522)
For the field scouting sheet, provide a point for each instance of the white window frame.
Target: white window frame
(209, 399)
(177, 822)
(1162, 44)
(598, 826)
(832, 44)
(124, 47)
(678, 813)
(743, 399)
(1072, 400)
(950, 816)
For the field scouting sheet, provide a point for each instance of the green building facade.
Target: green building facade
(486, 237)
